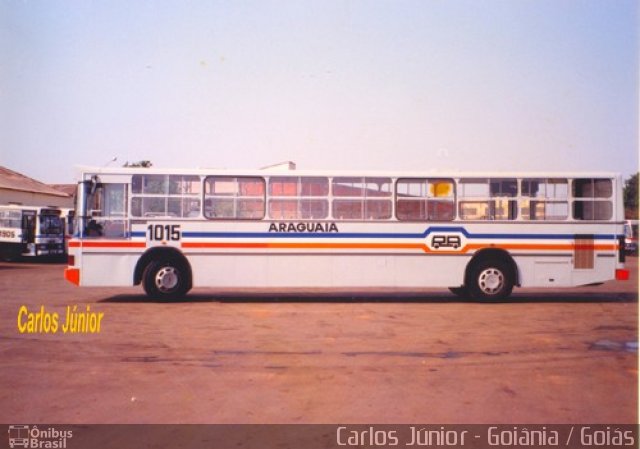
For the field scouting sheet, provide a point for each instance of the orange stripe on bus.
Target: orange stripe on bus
(421, 246)
(542, 246)
(365, 246)
(303, 245)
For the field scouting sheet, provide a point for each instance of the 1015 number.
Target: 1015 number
(163, 232)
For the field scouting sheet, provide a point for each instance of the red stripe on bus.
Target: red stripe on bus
(106, 244)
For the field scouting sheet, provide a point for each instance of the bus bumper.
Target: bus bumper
(72, 275)
(622, 275)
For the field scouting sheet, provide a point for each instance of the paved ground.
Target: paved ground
(567, 356)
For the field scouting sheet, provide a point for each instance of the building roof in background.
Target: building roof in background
(12, 180)
(69, 189)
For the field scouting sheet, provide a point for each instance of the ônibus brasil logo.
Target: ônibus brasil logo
(33, 437)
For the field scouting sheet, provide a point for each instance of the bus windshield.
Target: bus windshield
(50, 225)
(104, 211)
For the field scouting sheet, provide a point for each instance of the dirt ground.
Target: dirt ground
(565, 356)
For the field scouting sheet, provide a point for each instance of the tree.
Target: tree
(143, 164)
(631, 197)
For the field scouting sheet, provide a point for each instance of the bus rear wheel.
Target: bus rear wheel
(166, 279)
(490, 280)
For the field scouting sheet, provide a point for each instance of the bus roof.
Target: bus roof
(367, 173)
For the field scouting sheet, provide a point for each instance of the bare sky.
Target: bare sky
(428, 84)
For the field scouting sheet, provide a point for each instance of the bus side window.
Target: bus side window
(94, 229)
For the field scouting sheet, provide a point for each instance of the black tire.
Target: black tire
(490, 280)
(166, 279)
(460, 292)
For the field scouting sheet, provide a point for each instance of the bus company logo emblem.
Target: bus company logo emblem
(445, 241)
(18, 436)
(32, 437)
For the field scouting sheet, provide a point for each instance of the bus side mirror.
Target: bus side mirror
(93, 185)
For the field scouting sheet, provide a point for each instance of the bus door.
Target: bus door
(29, 231)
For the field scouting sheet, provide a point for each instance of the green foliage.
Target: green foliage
(631, 197)
(142, 164)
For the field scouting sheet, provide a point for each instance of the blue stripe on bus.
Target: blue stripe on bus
(378, 235)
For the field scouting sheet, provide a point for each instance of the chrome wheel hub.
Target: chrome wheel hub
(166, 279)
(491, 281)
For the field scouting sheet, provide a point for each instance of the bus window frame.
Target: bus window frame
(585, 202)
(427, 199)
(263, 197)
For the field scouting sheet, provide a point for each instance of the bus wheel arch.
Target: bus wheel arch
(491, 275)
(165, 273)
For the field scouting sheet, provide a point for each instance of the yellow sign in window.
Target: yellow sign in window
(441, 189)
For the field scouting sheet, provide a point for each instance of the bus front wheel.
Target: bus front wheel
(166, 279)
(490, 280)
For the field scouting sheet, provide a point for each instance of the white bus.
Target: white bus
(479, 234)
(30, 231)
